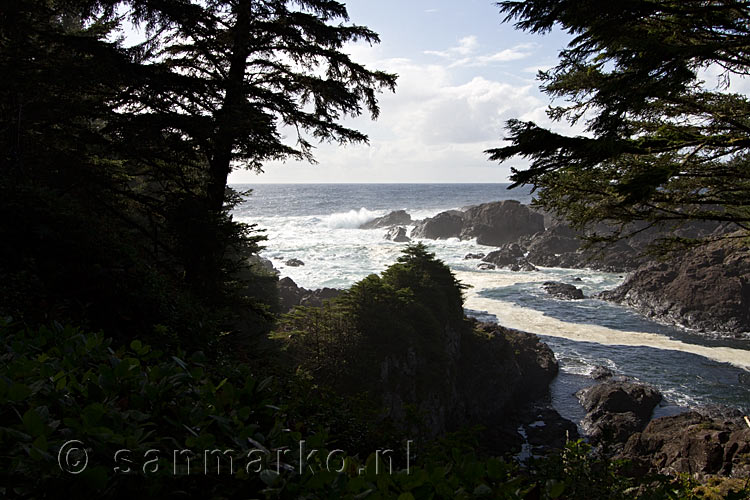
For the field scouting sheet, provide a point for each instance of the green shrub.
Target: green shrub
(60, 384)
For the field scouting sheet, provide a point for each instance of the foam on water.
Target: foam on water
(318, 225)
(513, 316)
(351, 219)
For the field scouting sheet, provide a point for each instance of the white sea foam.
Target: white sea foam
(351, 219)
(513, 316)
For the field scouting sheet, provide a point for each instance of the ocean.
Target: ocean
(318, 224)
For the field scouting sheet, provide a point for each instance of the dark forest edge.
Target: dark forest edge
(61, 383)
(131, 318)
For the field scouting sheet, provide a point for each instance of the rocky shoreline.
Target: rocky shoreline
(699, 442)
(499, 378)
(706, 288)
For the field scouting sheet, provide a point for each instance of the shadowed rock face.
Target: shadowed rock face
(509, 256)
(491, 377)
(441, 227)
(498, 223)
(291, 295)
(707, 288)
(397, 234)
(562, 290)
(492, 224)
(616, 409)
(395, 218)
(691, 443)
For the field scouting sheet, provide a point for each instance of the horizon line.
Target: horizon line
(361, 183)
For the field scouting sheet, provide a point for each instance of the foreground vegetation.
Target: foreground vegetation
(83, 413)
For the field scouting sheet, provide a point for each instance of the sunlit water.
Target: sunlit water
(318, 224)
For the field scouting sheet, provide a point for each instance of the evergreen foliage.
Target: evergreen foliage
(60, 384)
(661, 147)
(115, 159)
(411, 303)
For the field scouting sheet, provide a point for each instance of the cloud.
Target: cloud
(464, 55)
(466, 45)
(436, 126)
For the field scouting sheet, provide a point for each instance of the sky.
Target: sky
(462, 75)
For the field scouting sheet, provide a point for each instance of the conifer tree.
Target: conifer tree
(661, 146)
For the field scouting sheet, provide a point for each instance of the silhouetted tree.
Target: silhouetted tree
(660, 147)
(231, 78)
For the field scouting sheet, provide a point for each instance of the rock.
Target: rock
(502, 375)
(707, 288)
(492, 224)
(562, 290)
(441, 227)
(501, 222)
(487, 375)
(262, 265)
(510, 256)
(294, 263)
(485, 266)
(397, 234)
(561, 246)
(315, 298)
(601, 373)
(470, 256)
(291, 295)
(523, 266)
(395, 218)
(693, 444)
(615, 409)
(547, 429)
(577, 279)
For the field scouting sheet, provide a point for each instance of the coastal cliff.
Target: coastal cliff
(402, 339)
(706, 288)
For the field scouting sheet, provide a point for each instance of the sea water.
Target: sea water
(319, 224)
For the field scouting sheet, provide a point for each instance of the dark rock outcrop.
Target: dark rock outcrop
(294, 263)
(562, 246)
(473, 256)
(492, 224)
(693, 444)
(486, 266)
(509, 256)
(601, 373)
(707, 288)
(562, 290)
(395, 218)
(501, 376)
(441, 227)
(488, 376)
(397, 234)
(498, 223)
(616, 409)
(291, 295)
(262, 265)
(546, 429)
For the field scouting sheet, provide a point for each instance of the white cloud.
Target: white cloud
(435, 127)
(466, 45)
(464, 55)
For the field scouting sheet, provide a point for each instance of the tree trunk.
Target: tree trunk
(226, 133)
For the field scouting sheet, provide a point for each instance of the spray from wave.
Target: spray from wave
(351, 219)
